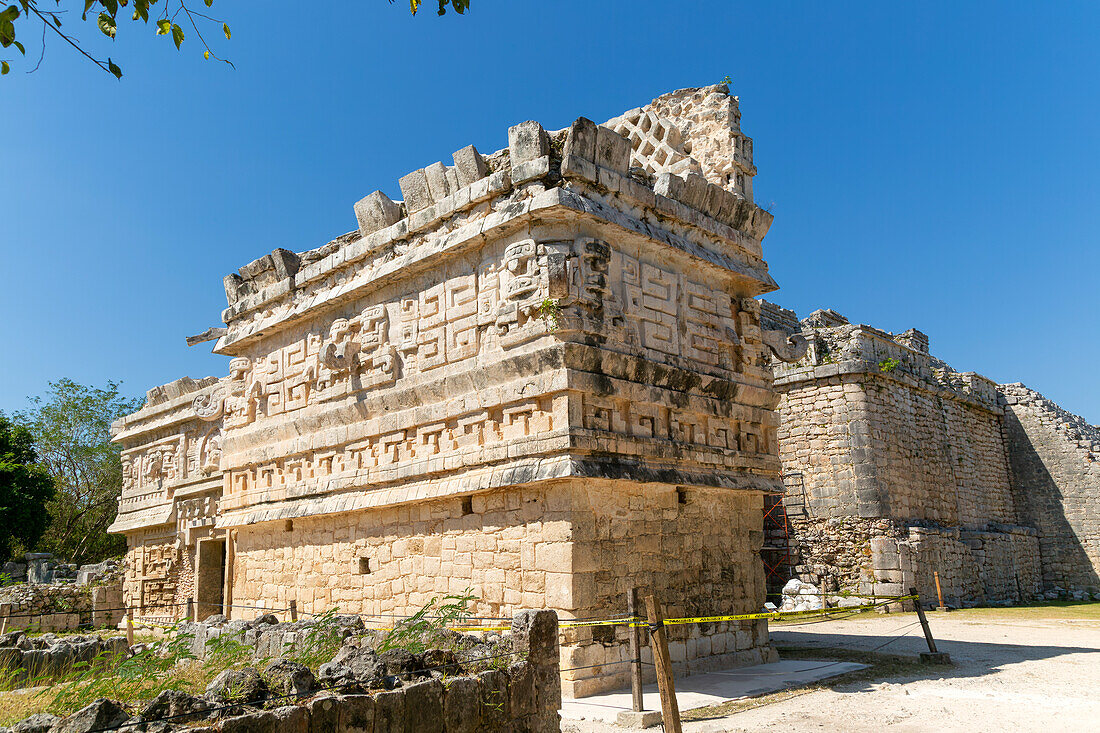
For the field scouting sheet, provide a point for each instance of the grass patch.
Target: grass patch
(1053, 610)
(880, 666)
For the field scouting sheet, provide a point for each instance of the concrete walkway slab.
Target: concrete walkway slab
(711, 688)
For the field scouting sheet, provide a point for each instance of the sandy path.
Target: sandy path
(1009, 675)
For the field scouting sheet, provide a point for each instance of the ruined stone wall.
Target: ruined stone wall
(1055, 458)
(881, 430)
(903, 465)
(171, 482)
(60, 607)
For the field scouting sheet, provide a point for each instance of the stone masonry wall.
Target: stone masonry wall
(696, 549)
(45, 607)
(935, 458)
(874, 435)
(1055, 458)
(574, 548)
(538, 357)
(904, 468)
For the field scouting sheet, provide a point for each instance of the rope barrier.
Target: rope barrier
(92, 610)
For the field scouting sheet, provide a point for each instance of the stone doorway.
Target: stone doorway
(209, 577)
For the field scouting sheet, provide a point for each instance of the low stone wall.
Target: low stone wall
(266, 636)
(975, 567)
(60, 607)
(522, 697)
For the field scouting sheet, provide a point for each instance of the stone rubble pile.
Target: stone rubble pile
(42, 568)
(800, 596)
(24, 658)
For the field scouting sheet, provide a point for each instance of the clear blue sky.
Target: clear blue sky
(931, 164)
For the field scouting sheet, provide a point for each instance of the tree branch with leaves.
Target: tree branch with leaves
(170, 21)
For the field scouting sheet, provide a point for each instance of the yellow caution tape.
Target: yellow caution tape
(779, 615)
(771, 615)
(608, 622)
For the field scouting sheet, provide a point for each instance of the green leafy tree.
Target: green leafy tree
(25, 488)
(72, 431)
(174, 18)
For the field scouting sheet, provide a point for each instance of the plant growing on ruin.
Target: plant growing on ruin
(550, 312)
(427, 627)
(224, 651)
(888, 365)
(140, 677)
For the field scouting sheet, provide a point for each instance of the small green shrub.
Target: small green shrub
(550, 312)
(320, 643)
(888, 365)
(427, 627)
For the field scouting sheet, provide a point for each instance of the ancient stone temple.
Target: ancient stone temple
(541, 377)
(898, 467)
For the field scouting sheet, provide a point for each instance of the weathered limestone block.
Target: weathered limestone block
(438, 186)
(376, 211)
(414, 187)
(461, 710)
(612, 150)
(527, 141)
(469, 165)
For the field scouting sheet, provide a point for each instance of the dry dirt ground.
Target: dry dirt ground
(1032, 669)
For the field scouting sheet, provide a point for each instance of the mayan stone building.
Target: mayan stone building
(898, 467)
(541, 376)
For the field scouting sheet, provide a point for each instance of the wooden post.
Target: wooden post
(933, 656)
(129, 627)
(4, 611)
(293, 611)
(670, 711)
(190, 612)
(635, 650)
(939, 591)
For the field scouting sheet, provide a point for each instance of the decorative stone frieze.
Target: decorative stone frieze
(541, 377)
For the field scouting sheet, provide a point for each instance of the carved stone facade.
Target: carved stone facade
(541, 376)
(171, 488)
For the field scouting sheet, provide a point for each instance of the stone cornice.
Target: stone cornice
(295, 303)
(859, 367)
(483, 478)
